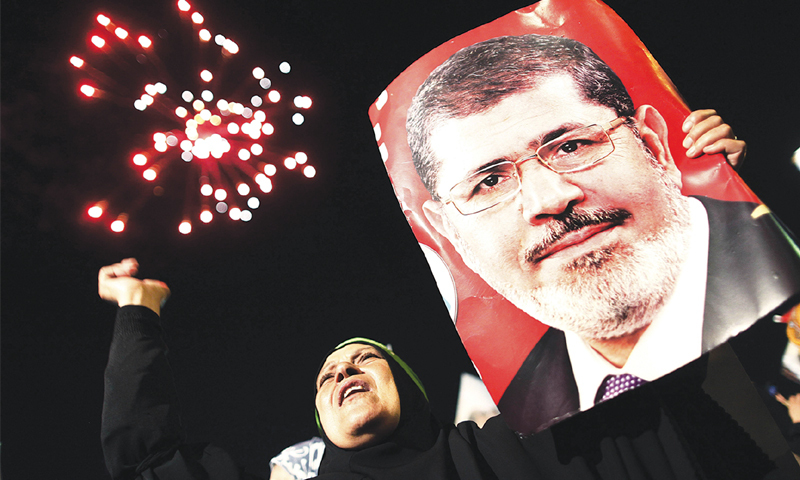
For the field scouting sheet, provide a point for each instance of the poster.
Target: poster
(577, 249)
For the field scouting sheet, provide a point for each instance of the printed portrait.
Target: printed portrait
(539, 157)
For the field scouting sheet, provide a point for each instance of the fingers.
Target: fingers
(107, 288)
(131, 266)
(781, 399)
(734, 150)
(696, 117)
(116, 283)
(126, 268)
(707, 133)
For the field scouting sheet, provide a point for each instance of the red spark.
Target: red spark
(226, 140)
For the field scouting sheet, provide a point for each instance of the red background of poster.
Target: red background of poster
(499, 348)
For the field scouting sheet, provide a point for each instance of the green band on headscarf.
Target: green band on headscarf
(388, 352)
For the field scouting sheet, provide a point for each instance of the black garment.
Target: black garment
(752, 271)
(640, 436)
(141, 432)
(142, 436)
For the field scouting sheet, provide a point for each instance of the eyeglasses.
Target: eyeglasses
(573, 151)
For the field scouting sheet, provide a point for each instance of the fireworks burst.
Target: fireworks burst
(228, 142)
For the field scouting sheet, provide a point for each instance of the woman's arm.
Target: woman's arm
(141, 432)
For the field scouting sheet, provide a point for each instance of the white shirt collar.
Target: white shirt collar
(675, 336)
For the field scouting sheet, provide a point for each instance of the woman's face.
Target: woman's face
(357, 398)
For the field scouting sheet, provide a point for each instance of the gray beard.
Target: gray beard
(613, 292)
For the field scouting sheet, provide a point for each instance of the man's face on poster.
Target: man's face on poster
(591, 251)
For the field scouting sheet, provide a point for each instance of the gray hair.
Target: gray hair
(478, 77)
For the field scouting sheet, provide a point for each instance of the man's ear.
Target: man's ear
(433, 212)
(654, 132)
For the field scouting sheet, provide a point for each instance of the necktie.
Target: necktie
(613, 385)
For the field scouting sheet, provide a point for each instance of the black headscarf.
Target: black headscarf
(419, 448)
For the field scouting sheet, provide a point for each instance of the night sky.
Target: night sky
(255, 306)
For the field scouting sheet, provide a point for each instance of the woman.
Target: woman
(373, 413)
(375, 419)
(376, 422)
(372, 410)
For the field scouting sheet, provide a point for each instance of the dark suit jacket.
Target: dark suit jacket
(753, 271)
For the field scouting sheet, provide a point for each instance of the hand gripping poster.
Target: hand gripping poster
(538, 160)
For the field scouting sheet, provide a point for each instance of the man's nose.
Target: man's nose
(345, 370)
(545, 193)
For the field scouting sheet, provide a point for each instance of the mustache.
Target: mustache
(573, 221)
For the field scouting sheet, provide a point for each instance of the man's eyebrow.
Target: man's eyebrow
(554, 133)
(487, 165)
(532, 145)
